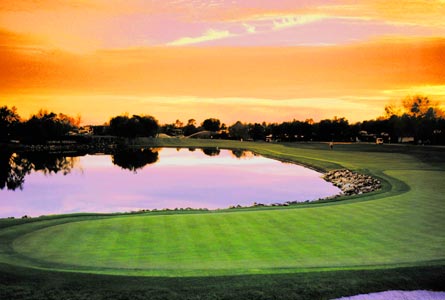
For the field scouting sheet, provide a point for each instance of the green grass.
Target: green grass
(266, 241)
(397, 231)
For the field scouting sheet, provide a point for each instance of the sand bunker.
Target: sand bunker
(399, 295)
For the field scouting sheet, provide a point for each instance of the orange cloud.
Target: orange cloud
(33, 5)
(222, 72)
(280, 82)
(9, 39)
(416, 12)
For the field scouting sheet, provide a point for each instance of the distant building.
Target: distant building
(364, 136)
(176, 132)
(406, 139)
(100, 129)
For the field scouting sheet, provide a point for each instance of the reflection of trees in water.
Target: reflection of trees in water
(50, 163)
(211, 151)
(134, 159)
(13, 170)
(15, 166)
(238, 153)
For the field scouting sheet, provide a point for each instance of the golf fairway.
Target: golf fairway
(400, 226)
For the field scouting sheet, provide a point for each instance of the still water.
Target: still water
(35, 184)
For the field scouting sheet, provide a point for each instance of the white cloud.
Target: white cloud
(209, 35)
(249, 28)
(295, 20)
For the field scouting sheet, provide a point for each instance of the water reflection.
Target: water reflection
(241, 154)
(122, 181)
(211, 151)
(50, 163)
(135, 159)
(13, 170)
(14, 167)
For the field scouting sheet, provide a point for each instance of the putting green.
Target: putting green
(402, 226)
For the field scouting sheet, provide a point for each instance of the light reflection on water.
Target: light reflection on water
(166, 178)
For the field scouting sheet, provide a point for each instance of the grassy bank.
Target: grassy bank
(24, 283)
(308, 251)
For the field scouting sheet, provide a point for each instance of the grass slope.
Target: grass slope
(403, 225)
(24, 283)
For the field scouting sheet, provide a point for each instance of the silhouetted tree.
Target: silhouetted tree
(275, 130)
(334, 130)
(136, 126)
(239, 131)
(417, 117)
(190, 128)
(46, 125)
(416, 106)
(257, 132)
(9, 119)
(119, 125)
(211, 124)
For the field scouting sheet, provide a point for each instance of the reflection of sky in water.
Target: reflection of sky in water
(179, 179)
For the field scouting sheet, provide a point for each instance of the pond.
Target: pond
(37, 184)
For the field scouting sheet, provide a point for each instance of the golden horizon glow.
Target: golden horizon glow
(247, 60)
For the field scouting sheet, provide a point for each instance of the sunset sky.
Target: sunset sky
(249, 60)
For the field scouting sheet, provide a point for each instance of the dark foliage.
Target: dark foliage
(238, 153)
(211, 151)
(15, 166)
(136, 126)
(417, 120)
(13, 169)
(135, 159)
(45, 126)
(239, 131)
(9, 119)
(257, 132)
(211, 124)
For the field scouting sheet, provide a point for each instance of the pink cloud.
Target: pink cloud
(328, 31)
(123, 24)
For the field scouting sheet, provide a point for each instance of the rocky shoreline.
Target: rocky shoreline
(352, 183)
(349, 182)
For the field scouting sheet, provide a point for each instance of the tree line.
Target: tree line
(416, 119)
(40, 127)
